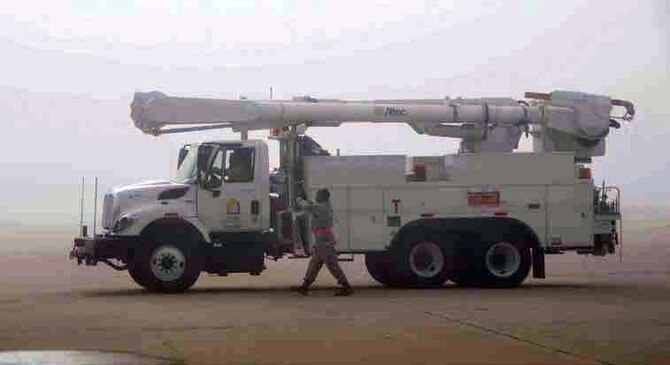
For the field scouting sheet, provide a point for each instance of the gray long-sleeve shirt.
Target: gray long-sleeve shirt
(322, 217)
(321, 213)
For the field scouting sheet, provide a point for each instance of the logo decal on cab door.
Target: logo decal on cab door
(233, 206)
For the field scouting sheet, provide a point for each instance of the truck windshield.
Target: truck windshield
(186, 172)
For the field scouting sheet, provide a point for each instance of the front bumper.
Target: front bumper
(101, 248)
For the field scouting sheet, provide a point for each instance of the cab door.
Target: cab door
(242, 207)
(210, 198)
(228, 199)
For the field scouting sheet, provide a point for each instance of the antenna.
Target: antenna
(95, 205)
(82, 228)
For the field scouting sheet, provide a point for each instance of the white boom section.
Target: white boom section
(152, 111)
(493, 125)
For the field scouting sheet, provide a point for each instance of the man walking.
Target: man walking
(324, 245)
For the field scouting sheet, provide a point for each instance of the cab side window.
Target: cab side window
(214, 175)
(239, 165)
(217, 166)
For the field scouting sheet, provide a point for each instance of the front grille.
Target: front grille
(107, 216)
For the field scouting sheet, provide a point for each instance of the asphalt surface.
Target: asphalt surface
(589, 310)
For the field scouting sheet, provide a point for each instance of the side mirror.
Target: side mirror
(212, 179)
(211, 183)
(205, 154)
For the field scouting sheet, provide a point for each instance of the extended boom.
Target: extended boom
(561, 121)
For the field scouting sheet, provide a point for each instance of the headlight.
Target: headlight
(125, 222)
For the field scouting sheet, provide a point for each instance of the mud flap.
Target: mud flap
(538, 263)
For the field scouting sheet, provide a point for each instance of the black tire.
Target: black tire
(465, 278)
(422, 261)
(460, 253)
(381, 266)
(501, 264)
(136, 274)
(168, 266)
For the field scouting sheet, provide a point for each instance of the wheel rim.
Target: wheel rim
(168, 263)
(503, 259)
(426, 259)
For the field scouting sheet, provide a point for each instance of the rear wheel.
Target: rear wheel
(381, 266)
(502, 264)
(423, 263)
(460, 259)
(466, 277)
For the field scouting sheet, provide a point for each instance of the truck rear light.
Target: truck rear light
(275, 132)
(585, 173)
(419, 172)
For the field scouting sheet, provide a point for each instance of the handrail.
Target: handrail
(603, 204)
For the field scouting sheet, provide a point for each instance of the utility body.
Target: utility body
(484, 216)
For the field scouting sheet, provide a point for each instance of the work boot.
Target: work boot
(302, 289)
(344, 291)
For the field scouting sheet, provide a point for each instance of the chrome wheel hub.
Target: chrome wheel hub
(426, 259)
(168, 263)
(503, 259)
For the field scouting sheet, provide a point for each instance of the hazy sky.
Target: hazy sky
(69, 69)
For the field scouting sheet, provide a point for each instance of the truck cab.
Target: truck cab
(217, 187)
(216, 207)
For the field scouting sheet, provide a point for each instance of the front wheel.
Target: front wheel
(136, 274)
(166, 267)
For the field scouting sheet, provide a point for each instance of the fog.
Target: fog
(70, 68)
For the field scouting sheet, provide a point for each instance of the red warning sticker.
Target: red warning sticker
(484, 198)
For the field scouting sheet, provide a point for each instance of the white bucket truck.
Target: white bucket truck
(483, 216)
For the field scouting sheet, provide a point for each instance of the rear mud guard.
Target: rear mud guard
(538, 263)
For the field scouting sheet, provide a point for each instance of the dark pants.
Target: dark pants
(325, 253)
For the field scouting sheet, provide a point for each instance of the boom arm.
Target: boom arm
(153, 111)
(489, 125)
